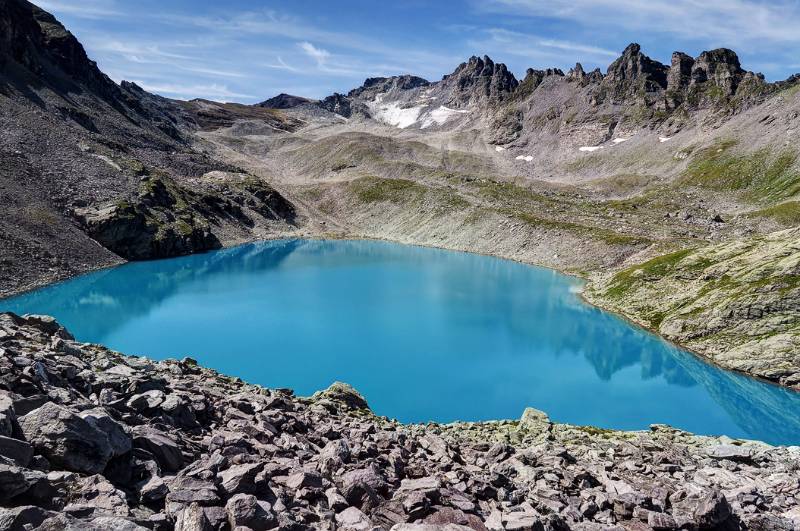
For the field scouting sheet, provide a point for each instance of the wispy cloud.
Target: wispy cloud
(213, 91)
(538, 50)
(90, 9)
(318, 54)
(734, 22)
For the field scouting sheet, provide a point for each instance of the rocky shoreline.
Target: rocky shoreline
(93, 439)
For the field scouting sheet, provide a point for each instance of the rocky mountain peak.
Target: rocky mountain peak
(377, 85)
(721, 67)
(284, 101)
(35, 46)
(634, 70)
(479, 80)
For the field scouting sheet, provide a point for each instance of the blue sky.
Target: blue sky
(248, 51)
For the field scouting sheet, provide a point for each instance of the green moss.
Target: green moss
(760, 175)
(378, 190)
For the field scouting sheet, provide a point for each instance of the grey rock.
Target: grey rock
(12, 482)
(239, 478)
(66, 439)
(163, 447)
(522, 521)
(193, 518)
(119, 439)
(23, 517)
(147, 400)
(730, 451)
(18, 451)
(8, 418)
(353, 519)
(245, 510)
(712, 510)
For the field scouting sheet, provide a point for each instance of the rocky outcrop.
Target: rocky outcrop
(680, 72)
(343, 106)
(734, 303)
(478, 81)
(166, 219)
(634, 75)
(719, 67)
(383, 85)
(125, 443)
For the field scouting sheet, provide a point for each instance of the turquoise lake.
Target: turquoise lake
(424, 334)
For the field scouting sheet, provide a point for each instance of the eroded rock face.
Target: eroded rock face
(166, 219)
(680, 72)
(259, 459)
(720, 67)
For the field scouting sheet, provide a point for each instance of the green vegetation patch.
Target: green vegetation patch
(508, 192)
(377, 190)
(606, 235)
(653, 269)
(787, 213)
(760, 175)
(405, 192)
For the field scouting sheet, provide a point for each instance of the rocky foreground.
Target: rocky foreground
(92, 439)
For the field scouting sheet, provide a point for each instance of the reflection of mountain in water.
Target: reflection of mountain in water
(538, 309)
(755, 406)
(99, 303)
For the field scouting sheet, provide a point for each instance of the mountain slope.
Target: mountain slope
(73, 142)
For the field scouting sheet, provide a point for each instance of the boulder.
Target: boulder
(353, 519)
(18, 451)
(162, 446)
(100, 496)
(66, 439)
(193, 518)
(361, 487)
(119, 439)
(247, 511)
(12, 482)
(8, 419)
(730, 451)
(341, 394)
(239, 478)
(147, 400)
(23, 517)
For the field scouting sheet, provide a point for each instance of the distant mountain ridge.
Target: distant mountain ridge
(714, 79)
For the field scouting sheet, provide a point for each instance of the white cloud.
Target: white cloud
(318, 54)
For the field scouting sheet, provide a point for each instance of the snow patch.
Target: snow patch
(499, 148)
(395, 115)
(620, 140)
(526, 158)
(589, 148)
(440, 116)
(663, 139)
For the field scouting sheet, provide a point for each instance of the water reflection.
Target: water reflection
(424, 333)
